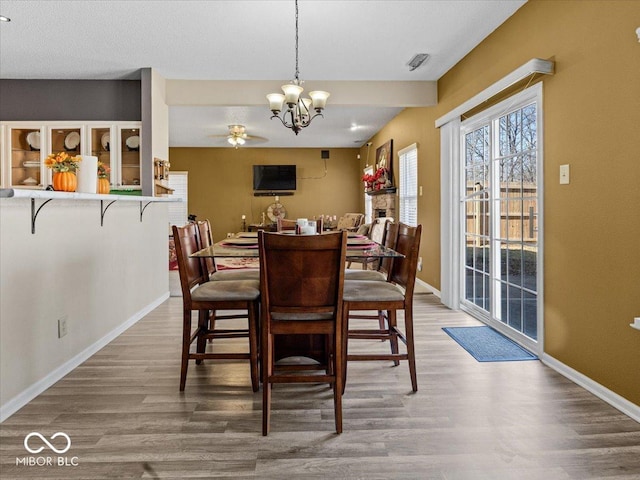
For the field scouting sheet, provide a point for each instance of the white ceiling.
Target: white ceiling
(352, 40)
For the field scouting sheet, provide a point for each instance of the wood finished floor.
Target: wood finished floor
(469, 420)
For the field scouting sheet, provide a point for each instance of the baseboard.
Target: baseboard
(424, 287)
(20, 400)
(616, 401)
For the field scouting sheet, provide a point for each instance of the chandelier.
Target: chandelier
(298, 114)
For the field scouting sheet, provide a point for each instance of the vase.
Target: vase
(103, 185)
(86, 174)
(65, 181)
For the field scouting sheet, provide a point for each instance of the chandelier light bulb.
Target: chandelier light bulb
(319, 99)
(276, 100)
(291, 94)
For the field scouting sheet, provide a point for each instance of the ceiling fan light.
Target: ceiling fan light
(291, 93)
(319, 99)
(240, 141)
(275, 101)
(232, 141)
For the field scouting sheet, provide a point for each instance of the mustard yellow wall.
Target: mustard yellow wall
(221, 189)
(411, 126)
(591, 122)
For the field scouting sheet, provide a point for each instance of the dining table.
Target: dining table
(245, 245)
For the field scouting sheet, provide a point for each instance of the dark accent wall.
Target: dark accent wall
(85, 100)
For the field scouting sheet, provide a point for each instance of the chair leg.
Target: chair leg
(381, 321)
(345, 344)
(186, 343)
(408, 326)
(267, 368)
(252, 310)
(393, 325)
(201, 342)
(338, 360)
(212, 322)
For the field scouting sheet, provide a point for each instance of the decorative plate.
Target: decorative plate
(133, 142)
(30, 181)
(33, 139)
(275, 211)
(72, 140)
(241, 241)
(106, 138)
(359, 241)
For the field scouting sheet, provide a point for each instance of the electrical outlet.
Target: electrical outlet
(419, 264)
(62, 326)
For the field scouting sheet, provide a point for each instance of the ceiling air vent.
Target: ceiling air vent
(417, 60)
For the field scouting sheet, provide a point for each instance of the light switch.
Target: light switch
(420, 188)
(564, 174)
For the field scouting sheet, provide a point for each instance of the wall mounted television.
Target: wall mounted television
(274, 177)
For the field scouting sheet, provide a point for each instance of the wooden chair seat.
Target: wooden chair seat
(367, 275)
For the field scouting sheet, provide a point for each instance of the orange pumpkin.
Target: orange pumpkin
(103, 185)
(65, 181)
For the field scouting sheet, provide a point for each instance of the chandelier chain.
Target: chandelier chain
(297, 70)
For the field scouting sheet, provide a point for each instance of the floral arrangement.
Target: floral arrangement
(377, 180)
(103, 170)
(62, 162)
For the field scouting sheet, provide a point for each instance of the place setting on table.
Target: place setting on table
(245, 244)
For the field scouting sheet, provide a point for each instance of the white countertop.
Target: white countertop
(50, 194)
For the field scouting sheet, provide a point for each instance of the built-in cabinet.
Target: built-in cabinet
(25, 146)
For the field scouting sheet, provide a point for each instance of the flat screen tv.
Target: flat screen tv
(274, 177)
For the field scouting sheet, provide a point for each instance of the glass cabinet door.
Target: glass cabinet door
(25, 157)
(100, 141)
(67, 140)
(130, 157)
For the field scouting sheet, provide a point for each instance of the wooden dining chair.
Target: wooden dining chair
(283, 224)
(301, 281)
(350, 221)
(376, 233)
(203, 296)
(381, 272)
(396, 294)
(209, 264)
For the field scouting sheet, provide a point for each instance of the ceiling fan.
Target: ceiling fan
(238, 136)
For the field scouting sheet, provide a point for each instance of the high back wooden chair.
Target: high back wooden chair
(381, 272)
(377, 233)
(203, 296)
(350, 221)
(209, 264)
(390, 296)
(284, 224)
(301, 281)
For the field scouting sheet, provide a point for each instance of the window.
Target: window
(408, 185)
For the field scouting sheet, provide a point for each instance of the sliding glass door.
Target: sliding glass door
(501, 213)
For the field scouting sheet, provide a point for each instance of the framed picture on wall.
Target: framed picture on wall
(384, 158)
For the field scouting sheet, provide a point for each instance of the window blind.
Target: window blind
(408, 185)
